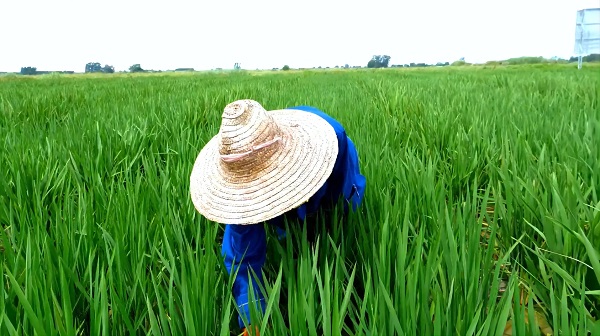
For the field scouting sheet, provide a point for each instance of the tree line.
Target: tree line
(91, 67)
(377, 61)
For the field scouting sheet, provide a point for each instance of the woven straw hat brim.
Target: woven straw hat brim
(301, 165)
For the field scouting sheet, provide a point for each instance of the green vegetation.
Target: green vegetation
(482, 210)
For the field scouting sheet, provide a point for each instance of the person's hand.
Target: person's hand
(245, 332)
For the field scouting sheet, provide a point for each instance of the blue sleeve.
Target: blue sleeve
(354, 182)
(244, 249)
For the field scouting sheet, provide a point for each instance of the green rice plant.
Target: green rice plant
(481, 215)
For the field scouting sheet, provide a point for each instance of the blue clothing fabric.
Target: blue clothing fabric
(244, 246)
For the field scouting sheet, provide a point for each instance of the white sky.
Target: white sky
(66, 34)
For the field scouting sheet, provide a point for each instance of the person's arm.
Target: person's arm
(244, 249)
(354, 182)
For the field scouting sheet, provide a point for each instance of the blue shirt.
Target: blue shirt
(244, 246)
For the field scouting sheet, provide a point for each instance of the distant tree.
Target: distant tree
(237, 66)
(588, 58)
(28, 70)
(108, 69)
(136, 68)
(384, 61)
(379, 61)
(285, 67)
(93, 67)
(591, 58)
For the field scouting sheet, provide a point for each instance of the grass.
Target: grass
(481, 216)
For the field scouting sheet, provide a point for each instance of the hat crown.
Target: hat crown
(245, 125)
(262, 163)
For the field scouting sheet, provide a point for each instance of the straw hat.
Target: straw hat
(262, 163)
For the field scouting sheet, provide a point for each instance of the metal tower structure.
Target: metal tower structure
(587, 33)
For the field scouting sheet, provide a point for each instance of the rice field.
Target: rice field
(481, 214)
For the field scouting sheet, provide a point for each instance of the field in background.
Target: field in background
(481, 216)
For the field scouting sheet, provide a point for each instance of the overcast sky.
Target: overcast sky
(66, 34)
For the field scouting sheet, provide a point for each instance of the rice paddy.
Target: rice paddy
(481, 214)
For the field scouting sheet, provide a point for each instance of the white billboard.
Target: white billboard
(587, 32)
